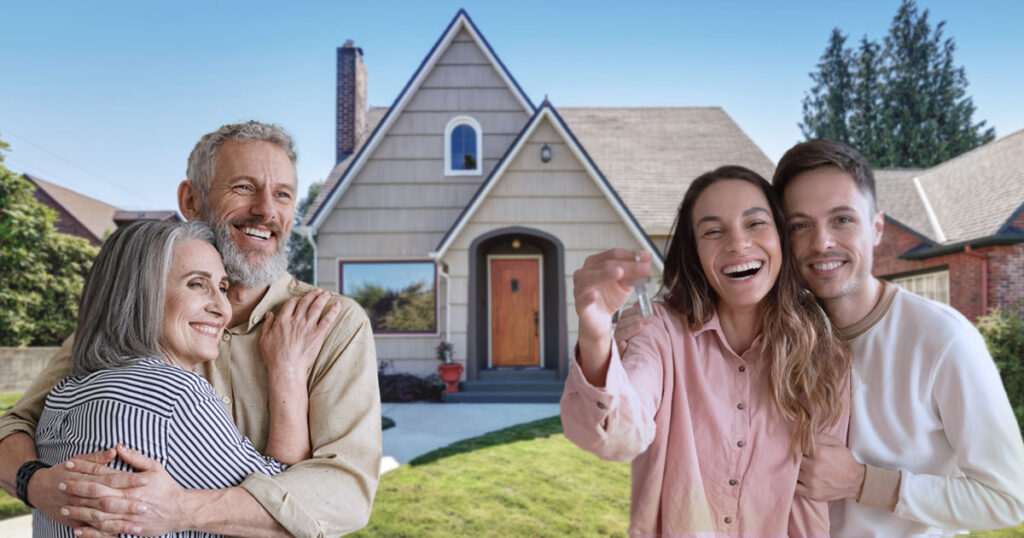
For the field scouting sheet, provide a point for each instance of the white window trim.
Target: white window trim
(911, 283)
(455, 122)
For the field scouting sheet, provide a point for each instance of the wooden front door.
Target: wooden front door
(515, 312)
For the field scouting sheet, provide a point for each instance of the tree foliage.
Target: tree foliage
(410, 309)
(300, 253)
(902, 102)
(1003, 330)
(43, 270)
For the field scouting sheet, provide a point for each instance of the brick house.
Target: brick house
(955, 232)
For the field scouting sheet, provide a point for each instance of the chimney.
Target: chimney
(351, 119)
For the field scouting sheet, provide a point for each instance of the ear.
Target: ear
(878, 223)
(189, 202)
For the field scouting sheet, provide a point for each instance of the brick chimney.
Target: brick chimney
(351, 118)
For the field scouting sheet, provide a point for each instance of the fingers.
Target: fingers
(99, 523)
(137, 460)
(288, 308)
(802, 490)
(101, 457)
(114, 506)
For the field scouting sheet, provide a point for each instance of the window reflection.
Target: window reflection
(397, 296)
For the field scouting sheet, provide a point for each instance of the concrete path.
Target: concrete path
(419, 428)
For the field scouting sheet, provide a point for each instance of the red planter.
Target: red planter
(450, 373)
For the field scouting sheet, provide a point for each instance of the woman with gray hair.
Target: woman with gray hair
(155, 306)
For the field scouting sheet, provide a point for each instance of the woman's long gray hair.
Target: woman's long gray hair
(122, 309)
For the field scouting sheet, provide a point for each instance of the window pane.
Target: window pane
(463, 145)
(934, 286)
(397, 296)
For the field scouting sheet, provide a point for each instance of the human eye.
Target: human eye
(223, 287)
(244, 188)
(196, 284)
(757, 224)
(844, 220)
(712, 233)
(798, 226)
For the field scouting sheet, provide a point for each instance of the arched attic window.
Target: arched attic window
(463, 143)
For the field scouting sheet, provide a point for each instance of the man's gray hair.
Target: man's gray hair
(121, 314)
(202, 162)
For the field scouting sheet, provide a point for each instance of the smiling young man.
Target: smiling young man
(933, 444)
(242, 181)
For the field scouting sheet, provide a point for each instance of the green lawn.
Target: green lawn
(527, 480)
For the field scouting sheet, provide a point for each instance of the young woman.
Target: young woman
(153, 308)
(720, 395)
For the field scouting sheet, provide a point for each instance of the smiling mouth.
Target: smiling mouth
(827, 266)
(205, 329)
(742, 271)
(255, 233)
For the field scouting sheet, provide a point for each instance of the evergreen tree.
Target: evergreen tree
(300, 253)
(906, 102)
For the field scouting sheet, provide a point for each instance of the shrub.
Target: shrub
(408, 388)
(1004, 334)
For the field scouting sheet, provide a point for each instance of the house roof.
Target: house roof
(461, 22)
(899, 199)
(977, 194)
(97, 217)
(650, 155)
(546, 111)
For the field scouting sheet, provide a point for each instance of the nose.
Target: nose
(739, 241)
(262, 204)
(823, 240)
(218, 305)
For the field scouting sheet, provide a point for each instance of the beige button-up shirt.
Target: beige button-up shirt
(326, 495)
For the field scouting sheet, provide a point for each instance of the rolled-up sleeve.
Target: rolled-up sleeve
(616, 422)
(332, 492)
(24, 416)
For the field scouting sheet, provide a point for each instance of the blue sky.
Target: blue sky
(109, 98)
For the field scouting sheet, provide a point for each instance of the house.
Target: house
(86, 217)
(460, 212)
(955, 232)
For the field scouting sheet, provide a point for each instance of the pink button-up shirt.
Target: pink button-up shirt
(711, 453)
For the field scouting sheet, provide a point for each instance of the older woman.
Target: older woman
(718, 398)
(154, 307)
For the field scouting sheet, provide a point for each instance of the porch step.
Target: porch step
(513, 385)
(536, 374)
(503, 397)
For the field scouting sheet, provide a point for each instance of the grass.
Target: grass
(527, 480)
(386, 422)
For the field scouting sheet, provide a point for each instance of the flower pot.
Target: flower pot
(450, 373)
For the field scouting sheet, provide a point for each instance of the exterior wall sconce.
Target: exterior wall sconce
(516, 244)
(545, 153)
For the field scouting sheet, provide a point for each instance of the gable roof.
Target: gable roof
(901, 202)
(462, 21)
(546, 111)
(95, 216)
(650, 155)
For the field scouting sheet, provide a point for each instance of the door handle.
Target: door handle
(536, 323)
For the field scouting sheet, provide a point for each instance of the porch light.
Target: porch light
(516, 244)
(545, 153)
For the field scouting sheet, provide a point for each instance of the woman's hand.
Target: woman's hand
(630, 324)
(600, 288)
(291, 340)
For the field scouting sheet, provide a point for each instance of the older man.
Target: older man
(241, 180)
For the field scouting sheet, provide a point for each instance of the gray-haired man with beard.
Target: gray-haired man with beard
(242, 181)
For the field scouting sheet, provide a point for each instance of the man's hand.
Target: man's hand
(630, 324)
(156, 506)
(291, 340)
(831, 474)
(49, 490)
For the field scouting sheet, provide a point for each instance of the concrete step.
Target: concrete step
(517, 373)
(503, 397)
(513, 385)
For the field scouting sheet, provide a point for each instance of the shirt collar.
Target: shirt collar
(715, 325)
(276, 294)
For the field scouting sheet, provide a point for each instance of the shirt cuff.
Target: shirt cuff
(881, 488)
(281, 505)
(603, 398)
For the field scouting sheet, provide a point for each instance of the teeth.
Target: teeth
(826, 266)
(253, 232)
(205, 329)
(733, 269)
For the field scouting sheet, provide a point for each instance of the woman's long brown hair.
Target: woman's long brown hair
(809, 362)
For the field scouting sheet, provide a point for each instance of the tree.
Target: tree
(902, 103)
(44, 270)
(300, 253)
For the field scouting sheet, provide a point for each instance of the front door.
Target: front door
(515, 312)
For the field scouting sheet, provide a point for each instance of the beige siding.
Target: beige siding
(559, 198)
(401, 204)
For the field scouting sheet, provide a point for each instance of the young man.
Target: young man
(242, 181)
(933, 444)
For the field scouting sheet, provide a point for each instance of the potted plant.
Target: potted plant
(450, 371)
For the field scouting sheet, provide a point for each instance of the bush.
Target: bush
(408, 388)
(1004, 334)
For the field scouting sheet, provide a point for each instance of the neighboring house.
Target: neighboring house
(955, 232)
(460, 212)
(86, 217)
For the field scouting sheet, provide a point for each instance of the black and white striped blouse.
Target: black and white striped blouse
(166, 412)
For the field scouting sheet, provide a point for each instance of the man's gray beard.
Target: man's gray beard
(240, 271)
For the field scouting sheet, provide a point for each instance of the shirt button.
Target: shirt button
(740, 444)
(743, 368)
(601, 405)
(733, 482)
(226, 337)
(728, 520)
(740, 406)
(226, 400)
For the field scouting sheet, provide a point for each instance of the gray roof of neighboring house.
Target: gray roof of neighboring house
(898, 199)
(976, 194)
(650, 155)
(374, 115)
(94, 215)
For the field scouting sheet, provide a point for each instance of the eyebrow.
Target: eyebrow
(833, 211)
(200, 273)
(747, 213)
